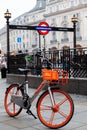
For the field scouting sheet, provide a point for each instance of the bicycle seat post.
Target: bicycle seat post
(26, 76)
(26, 82)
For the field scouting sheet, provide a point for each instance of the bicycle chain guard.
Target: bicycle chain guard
(20, 102)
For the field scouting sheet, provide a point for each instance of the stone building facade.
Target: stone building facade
(57, 13)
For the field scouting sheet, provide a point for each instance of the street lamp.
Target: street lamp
(74, 21)
(7, 15)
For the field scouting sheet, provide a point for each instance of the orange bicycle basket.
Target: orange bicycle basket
(49, 74)
(63, 77)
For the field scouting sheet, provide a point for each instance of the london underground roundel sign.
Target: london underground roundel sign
(43, 26)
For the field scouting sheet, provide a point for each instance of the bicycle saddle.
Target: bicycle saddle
(24, 70)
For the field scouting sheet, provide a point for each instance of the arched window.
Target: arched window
(65, 34)
(36, 38)
(78, 36)
(54, 32)
(78, 24)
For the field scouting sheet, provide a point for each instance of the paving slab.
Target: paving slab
(6, 127)
(26, 122)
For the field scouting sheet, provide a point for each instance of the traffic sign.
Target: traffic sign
(19, 39)
(28, 58)
(43, 26)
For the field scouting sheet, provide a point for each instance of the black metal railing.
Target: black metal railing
(72, 60)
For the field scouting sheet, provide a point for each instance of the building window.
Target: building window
(78, 33)
(24, 20)
(33, 17)
(23, 45)
(65, 25)
(27, 45)
(27, 35)
(80, 1)
(20, 22)
(50, 9)
(57, 7)
(27, 19)
(40, 4)
(78, 36)
(36, 39)
(51, 0)
(65, 17)
(72, 3)
(54, 35)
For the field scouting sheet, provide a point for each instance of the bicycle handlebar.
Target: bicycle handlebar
(45, 58)
(38, 55)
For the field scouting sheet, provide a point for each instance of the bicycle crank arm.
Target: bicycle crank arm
(18, 100)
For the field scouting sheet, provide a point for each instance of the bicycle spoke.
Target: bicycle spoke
(9, 103)
(62, 113)
(13, 107)
(17, 92)
(52, 117)
(61, 102)
(43, 107)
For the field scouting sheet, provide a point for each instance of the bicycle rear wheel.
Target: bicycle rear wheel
(11, 108)
(58, 115)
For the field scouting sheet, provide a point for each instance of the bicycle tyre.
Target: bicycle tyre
(11, 108)
(59, 115)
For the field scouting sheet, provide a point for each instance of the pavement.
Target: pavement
(26, 122)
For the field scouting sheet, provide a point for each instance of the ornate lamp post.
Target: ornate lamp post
(74, 21)
(7, 15)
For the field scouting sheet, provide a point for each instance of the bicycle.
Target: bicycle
(55, 107)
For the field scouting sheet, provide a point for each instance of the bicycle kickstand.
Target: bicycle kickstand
(30, 113)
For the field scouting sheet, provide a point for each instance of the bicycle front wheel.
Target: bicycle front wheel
(58, 115)
(11, 108)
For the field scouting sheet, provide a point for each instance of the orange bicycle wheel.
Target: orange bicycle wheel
(11, 108)
(58, 115)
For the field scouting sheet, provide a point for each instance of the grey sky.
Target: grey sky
(16, 8)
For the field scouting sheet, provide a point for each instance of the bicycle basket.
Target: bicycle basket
(63, 77)
(49, 74)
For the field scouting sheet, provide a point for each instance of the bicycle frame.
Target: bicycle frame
(38, 90)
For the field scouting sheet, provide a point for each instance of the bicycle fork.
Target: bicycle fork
(26, 97)
(51, 96)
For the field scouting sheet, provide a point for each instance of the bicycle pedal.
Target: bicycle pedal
(30, 113)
